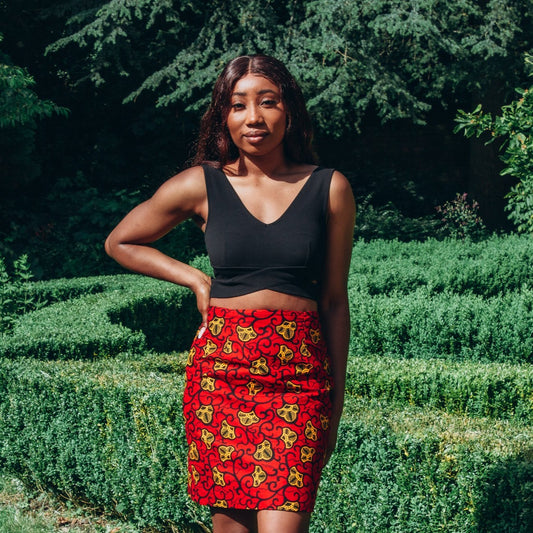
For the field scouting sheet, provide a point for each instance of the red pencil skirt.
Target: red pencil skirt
(257, 409)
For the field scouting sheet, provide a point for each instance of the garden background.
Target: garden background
(100, 103)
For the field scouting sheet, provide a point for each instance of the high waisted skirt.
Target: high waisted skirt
(257, 409)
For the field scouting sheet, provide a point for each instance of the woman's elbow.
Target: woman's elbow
(111, 246)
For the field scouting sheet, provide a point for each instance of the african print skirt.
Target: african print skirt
(257, 409)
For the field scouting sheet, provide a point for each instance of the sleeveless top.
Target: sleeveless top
(247, 255)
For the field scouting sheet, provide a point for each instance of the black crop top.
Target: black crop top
(248, 255)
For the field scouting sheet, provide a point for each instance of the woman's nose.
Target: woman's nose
(254, 115)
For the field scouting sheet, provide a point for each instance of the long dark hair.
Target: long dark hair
(214, 142)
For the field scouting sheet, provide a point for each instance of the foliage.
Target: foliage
(448, 326)
(423, 470)
(496, 390)
(66, 238)
(131, 313)
(461, 219)
(19, 104)
(515, 127)
(492, 267)
(15, 297)
(397, 58)
(388, 222)
(118, 442)
(425, 445)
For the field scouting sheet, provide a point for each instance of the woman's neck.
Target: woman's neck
(271, 164)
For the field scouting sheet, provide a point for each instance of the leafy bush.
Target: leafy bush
(448, 326)
(494, 390)
(422, 470)
(515, 127)
(388, 222)
(108, 433)
(114, 429)
(106, 323)
(494, 266)
(72, 244)
(461, 219)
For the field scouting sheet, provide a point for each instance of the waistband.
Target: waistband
(287, 314)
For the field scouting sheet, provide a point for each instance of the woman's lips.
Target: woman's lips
(255, 137)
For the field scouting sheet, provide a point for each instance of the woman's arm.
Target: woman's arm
(181, 197)
(334, 311)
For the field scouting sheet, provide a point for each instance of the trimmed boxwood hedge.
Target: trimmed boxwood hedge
(437, 429)
(488, 268)
(446, 325)
(114, 430)
(494, 390)
(130, 312)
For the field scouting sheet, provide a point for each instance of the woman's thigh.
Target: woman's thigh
(270, 521)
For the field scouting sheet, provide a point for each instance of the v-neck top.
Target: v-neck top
(247, 255)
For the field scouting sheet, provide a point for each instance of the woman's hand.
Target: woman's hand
(202, 290)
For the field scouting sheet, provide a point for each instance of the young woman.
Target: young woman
(266, 371)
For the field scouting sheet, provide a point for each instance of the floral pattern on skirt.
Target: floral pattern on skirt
(257, 409)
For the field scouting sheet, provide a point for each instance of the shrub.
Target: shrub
(515, 126)
(461, 219)
(494, 266)
(494, 390)
(114, 429)
(422, 470)
(448, 326)
(106, 323)
(108, 433)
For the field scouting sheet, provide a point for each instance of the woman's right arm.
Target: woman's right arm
(181, 197)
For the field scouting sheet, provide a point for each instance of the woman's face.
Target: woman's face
(257, 117)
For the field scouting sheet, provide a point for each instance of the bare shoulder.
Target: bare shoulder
(340, 193)
(185, 191)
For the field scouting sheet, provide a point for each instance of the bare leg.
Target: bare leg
(269, 521)
(233, 520)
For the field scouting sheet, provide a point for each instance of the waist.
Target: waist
(266, 299)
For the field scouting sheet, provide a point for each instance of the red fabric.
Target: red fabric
(257, 409)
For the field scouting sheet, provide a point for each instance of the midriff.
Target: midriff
(266, 299)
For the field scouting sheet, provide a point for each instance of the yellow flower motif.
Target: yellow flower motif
(289, 437)
(205, 413)
(288, 412)
(215, 325)
(263, 451)
(286, 329)
(218, 477)
(259, 476)
(285, 354)
(207, 438)
(247, 419)
(246, 334)
(259, 367)
(311, 432)
(296, 478)
(225, 452)
(306, 454)
(227, 431)
(209, 348)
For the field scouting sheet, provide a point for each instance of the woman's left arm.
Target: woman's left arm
(334, 309)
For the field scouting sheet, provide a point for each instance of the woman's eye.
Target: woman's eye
(237, 106)
(269, 103)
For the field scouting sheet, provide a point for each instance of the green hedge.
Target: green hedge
(110, 433)
(419, 470)
(133, 312)
(450, 326)
(488, 268)
(494, 390)
(107, 433)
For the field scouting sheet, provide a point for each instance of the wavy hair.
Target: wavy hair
(215, 145)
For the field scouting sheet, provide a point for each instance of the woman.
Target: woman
(266, 371)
